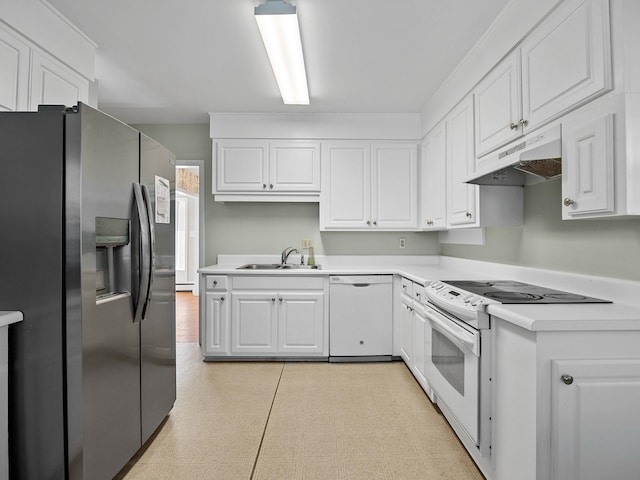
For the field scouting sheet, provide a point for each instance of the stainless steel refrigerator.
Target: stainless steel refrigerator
(87, 254)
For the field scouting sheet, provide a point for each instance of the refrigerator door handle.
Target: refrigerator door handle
(145, 257)
(152, 246)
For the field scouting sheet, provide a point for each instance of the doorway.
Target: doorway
(189, 214)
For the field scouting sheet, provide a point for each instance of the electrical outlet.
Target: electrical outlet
(403, 243)
(306, 243)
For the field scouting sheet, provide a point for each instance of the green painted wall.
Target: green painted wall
(267, 228)
(609, 248)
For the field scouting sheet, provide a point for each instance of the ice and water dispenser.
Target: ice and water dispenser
(112, 257)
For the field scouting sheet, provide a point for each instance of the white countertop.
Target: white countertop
(622, 314)
(7, 318)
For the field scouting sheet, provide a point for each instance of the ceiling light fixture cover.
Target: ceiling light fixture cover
(278, 25)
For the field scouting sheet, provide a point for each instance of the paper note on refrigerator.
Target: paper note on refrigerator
(163, 200)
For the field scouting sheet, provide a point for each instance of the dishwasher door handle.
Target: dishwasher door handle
(361, 284)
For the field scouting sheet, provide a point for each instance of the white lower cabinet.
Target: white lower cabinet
(265, 316)
(216, 328)
(301, 323)
(418, 360)
(565, 404)
(595, 428)
(406, 329)
(254, 321)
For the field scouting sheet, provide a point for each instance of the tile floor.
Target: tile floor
(280, 421)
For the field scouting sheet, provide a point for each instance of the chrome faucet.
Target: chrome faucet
(286, 252)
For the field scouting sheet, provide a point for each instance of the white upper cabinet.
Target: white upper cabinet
(14, 73)
(30, 77)
(433, 193)
(462, 198)
(563, 63)
(368, 186)
(498, 106)
(52, 83)
(566, 60)
(588, 156)
(273, 169)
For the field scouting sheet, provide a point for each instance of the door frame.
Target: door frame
(201, 243)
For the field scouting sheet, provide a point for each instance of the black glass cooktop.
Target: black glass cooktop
(508, 291)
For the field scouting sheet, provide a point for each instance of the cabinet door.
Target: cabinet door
(242, 166)
(461, 197)
(301, 323)
(216, 324)
(498, 106)
(294, 166)
(433, 173)
(394, 190)
(254, 323)
(54, 83)
(566, 60)
(417, 362)
(592, 434)
(406, 338)
(587, 168)
(345, 200)
(14, 73)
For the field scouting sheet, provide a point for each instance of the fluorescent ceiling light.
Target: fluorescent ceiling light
(278, 25)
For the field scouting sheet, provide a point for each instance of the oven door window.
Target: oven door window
(449, 360)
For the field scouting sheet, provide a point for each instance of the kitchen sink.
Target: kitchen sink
(276, 266)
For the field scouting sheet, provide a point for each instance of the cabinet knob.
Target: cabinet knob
(513, 126)
(222, 299)
(523, 122)
(264, 186)
(273, 299)
(271, 185)
(215, 282)
(469, 215)
(567, 379)
(280, 299)
(375, 223)
(368, 222)
(568, 202)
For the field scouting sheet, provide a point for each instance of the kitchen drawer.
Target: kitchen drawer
(216, 282)
(407, 287)
(419, 293)
(284, 282)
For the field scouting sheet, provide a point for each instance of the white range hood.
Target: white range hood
(531, 159)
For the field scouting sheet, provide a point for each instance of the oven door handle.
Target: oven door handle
(454, 332)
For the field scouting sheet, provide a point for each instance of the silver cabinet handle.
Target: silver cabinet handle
(513, 126)
(280, 299)
(368, 222)
(568, 202)
(273, 299)
(222, 299)
(469, 215)
(375, 223)
(271, 185)
(523, 122)
(567, 379)
(264, 186)
(215, 282)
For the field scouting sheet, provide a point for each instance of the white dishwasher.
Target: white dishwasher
(360, 318)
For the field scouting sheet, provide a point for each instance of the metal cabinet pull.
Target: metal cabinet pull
(215, 282)
(469, 215)
(222, 299)
(273, 299)
(264, 186)
(280, 299)
(375, 223)
(567, 379)
(368, 222)
(271, 185)
(523, 122)
(568, 202)
(513, 126)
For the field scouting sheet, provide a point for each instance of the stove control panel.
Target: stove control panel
(460, 303)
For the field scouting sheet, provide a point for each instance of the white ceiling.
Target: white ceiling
(167, 61)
